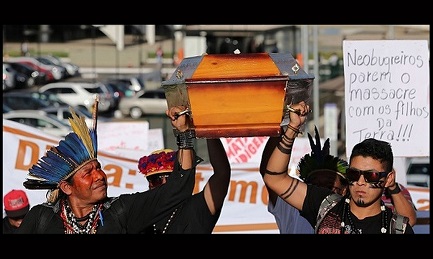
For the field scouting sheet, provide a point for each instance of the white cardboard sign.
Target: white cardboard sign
(387, 94)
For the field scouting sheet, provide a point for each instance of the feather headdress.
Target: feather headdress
(59, 163)
(320, 159)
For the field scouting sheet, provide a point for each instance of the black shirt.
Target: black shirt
(332, 221)
(128, 213)
(192, 217)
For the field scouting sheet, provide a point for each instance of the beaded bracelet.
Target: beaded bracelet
(185, 140)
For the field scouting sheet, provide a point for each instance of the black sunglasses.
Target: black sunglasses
(157, 179)
(370, 176)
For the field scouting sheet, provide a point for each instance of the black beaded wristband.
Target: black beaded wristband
(396, 189)
(185, 140)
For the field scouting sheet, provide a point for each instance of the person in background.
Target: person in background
(361, 210)
(16, 206)
(200, 212)
(77, 201)
(159, 57)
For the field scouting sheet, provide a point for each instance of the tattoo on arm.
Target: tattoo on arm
(274, 173)
(290, 190)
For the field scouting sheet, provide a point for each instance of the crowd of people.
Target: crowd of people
(329, 195)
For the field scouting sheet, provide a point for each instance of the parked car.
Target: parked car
(133, 83)
(51, 99)
(418, 173)
(72, 69)
(121, 88)
(30, 100)
(53, 72)
(19, 100)
(144, 102)
(40, 120)
(39, 77)
(81, 94)
(63, 113)
(17, 79)
(8, 79)
(49, 62)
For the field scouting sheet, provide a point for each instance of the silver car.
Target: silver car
(144, 102)
(81, 94)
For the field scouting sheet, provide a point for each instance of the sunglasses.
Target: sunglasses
(370, 176)
(157, 179)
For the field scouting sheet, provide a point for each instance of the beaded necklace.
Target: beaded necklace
(351, 226)
(70, 222)
(166, 224)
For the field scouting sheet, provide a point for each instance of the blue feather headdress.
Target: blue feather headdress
(60, 163)
(319, 159)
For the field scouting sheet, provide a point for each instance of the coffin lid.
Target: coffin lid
(229, 67)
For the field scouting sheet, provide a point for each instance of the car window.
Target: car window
(94, 90)
(153, 94)
(43, 124)
(26, 121)
(27, 103)
(49, 98)
(66, 90)
(419, 169)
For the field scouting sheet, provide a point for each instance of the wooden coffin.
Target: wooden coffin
(237, 95)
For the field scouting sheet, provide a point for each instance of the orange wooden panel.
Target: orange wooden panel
(228, 108)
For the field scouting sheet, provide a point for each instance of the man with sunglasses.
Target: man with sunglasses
(199, 213)
(362, 210)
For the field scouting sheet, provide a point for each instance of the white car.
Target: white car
(81, 94)
(40, 120)
(144, 102)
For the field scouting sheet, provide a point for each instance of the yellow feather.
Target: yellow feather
(80, 128)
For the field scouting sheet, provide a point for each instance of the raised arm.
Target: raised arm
(275, 174)
(216, 188)
(181, 123)
(271, 144)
